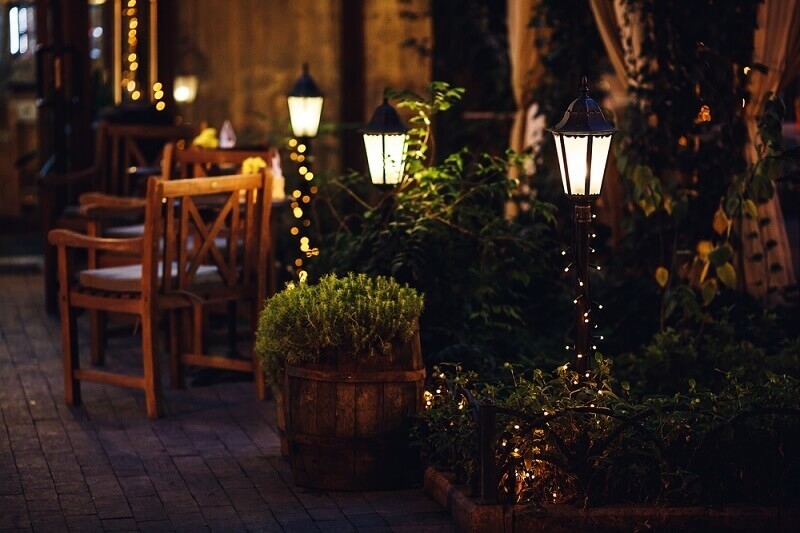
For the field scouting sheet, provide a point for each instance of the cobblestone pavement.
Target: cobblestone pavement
(212, 463)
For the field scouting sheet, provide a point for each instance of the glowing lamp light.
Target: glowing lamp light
(305, 105)
(583, 140)
(185, 89)
(385, 144)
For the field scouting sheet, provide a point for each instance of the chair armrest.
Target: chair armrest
(73, 239)
(85, 176)
(109, 200)
(110, 209)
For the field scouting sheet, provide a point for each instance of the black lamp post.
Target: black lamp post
(305, 109)
(583, 140)
(385, 138)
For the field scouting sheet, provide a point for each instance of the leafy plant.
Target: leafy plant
(353, 314)
(442, 231)
(596, 443)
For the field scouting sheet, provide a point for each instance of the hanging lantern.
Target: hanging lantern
(305, 105)
(385, 145)
(583, 140)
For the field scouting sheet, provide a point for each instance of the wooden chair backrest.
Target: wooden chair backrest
(123, 150)
(193, 224)
(186, 161)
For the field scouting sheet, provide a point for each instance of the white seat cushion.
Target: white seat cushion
(128, 278)
(120, 232)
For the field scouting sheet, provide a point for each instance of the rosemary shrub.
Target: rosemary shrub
(355, 313)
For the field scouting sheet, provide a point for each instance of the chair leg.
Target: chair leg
(152, 379)
(98, 333)
(69, 353)
(197, 328)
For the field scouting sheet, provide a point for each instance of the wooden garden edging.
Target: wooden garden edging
(471, 516)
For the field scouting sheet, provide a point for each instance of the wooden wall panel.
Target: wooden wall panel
(254, 49)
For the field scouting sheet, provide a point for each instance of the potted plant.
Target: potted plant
(343, 358)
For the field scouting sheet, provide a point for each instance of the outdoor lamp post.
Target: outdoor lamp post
(583, 140)
(305, 108)
(385, 145)
(305, 105)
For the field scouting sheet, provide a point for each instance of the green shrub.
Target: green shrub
(560, 440)
(355, 313)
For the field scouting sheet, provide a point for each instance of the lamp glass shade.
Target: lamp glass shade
(304, 113)
(582, 161)
(583, 140)
(184, 90)
(385, 157)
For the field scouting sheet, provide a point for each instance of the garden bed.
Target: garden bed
(470, 514)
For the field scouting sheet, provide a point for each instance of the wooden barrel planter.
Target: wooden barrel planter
(347, 419)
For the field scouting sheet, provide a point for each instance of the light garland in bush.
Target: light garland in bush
(301, 199)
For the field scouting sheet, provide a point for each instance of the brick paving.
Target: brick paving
(212, 463)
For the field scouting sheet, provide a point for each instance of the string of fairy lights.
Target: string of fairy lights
(582, 300)
(301, 199)
(131, 59)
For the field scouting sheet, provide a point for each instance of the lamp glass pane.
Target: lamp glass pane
(185, 89)
(385, 157)
(304, 112)
(561, 163)
(576, 163)
(600, 148)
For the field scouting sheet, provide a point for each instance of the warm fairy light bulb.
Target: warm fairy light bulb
(580, 356)
(599, 306)
(563, 252)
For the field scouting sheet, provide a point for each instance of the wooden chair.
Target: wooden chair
(123, 154)
(205, 242)
(180, 160)
(103, 211)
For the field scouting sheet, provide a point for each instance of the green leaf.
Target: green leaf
(708, 290)
(720, 255)
(662, 276)
(727, 275)
(751, 208)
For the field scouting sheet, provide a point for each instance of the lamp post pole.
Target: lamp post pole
(583, 305)
(305, 109)
(583, 141)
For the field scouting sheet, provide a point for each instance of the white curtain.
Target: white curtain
(526, 65)
(776, 45)
(526, 71)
